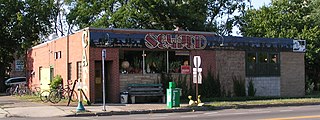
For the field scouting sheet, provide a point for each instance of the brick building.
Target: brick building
(276, 66)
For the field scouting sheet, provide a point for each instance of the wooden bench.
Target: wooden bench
(145, 90)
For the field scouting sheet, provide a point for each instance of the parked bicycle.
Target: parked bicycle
(56, 95)
(12, 90)
(18, 89)
(44, 96)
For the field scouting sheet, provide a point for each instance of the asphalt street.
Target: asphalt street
(271, 113)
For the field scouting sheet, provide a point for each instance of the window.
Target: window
(152, 61)
(57, 55)
(69, 70)
(79, 70)
(262, 64)
(252, 58)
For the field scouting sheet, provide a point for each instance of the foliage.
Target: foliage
(174, 66)
(251, 90)
(182, 83)
(165, 79)
(239, 86)
(210, 86)
(57, 80)
(23, 22)
(154, 60)
(296, 19)
(136, 62)
(198, 15)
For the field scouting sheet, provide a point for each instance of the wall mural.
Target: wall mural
(174, 41)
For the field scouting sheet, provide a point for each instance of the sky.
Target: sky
(256, 4)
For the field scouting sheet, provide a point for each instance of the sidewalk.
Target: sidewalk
(13, 107)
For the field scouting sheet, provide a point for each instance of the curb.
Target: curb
(86, 114)
(184, 109)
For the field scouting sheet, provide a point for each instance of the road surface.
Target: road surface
(311, 112)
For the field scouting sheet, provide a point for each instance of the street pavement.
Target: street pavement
(14, 107)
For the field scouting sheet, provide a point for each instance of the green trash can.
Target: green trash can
(173, 96)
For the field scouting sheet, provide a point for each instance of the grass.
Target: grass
(32, 98)
(265, 102)
(225, 101)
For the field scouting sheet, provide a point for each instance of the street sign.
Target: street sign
(196, 61)
(194, 75)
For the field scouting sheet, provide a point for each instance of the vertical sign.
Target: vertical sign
(197, 72)
(103, 54)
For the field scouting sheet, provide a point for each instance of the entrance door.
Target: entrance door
(45, 78)
(99, 81)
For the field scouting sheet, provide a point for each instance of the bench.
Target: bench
(145, 90)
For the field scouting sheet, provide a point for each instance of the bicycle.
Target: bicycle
(44, 96)
(12, 90)
(36, 91)
(55, 96)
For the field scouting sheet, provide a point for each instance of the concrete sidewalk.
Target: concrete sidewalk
(13, 107)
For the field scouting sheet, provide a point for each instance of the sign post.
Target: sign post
(103, 80)
(197, 72)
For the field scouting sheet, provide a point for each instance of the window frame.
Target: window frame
(264, 68)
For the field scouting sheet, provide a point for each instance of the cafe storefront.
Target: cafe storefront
(276, 66)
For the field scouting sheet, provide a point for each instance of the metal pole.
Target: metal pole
(143, 62)
(103, 80)
(197, 79)
(168, 62)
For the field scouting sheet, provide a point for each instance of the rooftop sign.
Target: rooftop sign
(169, 41)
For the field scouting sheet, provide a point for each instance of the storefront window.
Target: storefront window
(132, 62)
(266, 65)
(252, 58)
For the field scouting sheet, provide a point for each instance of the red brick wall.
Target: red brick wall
(43, 56)
(113, 85)
(208, 60)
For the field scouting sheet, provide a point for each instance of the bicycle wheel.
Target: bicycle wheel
(55, 97)
(44, 96)
(9, 91)
(74, 96)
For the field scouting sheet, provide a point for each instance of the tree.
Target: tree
(288, 19)
(23, 23)
(199, 15)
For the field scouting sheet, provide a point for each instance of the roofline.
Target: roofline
(148, 30)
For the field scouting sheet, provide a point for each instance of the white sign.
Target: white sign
(195, 70)
(19, 65)
(299, 46)
(196, 61)
(194, 75)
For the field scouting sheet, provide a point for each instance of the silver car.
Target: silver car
(15, 80)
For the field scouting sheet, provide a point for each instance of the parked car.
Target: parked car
(15, 80)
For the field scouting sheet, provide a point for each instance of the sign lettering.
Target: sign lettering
(168, 41)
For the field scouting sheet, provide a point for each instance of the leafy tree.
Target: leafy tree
(22, 25)
(198, 15)
(294, 19)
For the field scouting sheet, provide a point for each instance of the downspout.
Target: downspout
(67, 56)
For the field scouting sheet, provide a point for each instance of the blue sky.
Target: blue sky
(259, 3)
(256, 4)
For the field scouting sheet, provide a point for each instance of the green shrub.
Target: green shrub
(239, 87)
(210, 86)
(182, 83)
(57, 80)
(251, 90)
